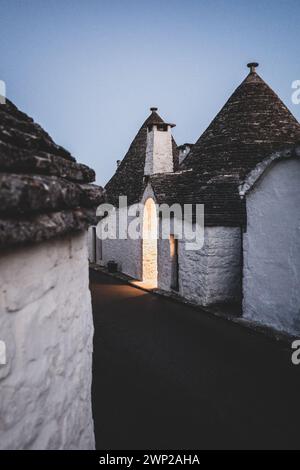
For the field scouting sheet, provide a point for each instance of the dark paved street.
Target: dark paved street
(168, 376)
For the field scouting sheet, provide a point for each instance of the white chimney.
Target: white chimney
(159, 152)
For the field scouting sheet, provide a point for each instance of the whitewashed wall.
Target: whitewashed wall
(272, 249)
(210, 275)
(46, 323)
(126, 252)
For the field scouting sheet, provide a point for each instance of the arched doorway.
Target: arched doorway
(149, 243)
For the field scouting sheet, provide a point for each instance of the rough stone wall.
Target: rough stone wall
(46, 323)
(159, 152)
(210, 275)
(272, 249)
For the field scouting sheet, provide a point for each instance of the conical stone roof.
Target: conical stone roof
(128, 179)
(251, 125)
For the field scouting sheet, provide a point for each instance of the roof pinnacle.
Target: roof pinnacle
(252, 66)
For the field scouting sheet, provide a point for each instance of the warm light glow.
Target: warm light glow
(150, 243)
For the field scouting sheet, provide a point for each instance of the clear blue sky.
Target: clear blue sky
(88, 70)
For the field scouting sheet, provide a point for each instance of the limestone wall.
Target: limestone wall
(46, 324)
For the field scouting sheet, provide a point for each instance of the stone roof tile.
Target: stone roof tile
(44, 192)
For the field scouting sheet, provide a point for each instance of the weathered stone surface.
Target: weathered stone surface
(91, 195)
(220, 196)
(46, 322)
(38, 178)
(35, 228)
(21, 194)
(16, 160)
(19, 130)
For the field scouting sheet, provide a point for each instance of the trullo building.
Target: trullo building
(245, 169)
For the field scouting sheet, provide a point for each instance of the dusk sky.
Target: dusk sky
(89, 70)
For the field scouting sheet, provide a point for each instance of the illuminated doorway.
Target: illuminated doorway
(149, 243)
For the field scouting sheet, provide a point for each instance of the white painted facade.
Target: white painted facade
(46, 324)
(263, 262)
(271, 283)
(208, 276)
(259, 267)
(127, 253)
